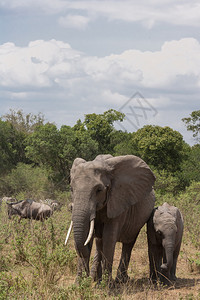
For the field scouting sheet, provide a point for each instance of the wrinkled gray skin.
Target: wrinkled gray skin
(164, 233)
(117, 193)
(29, 209)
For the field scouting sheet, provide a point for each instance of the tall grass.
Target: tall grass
(35, 263)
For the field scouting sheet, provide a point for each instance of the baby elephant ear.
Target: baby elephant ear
(132, 181)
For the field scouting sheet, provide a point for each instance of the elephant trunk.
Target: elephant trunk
(81, 222)
(82, 216)
(166, 266)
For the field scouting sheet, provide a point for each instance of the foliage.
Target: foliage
(35, 249)
(23, 123)
(100, 128)
(166, 183)
(31, 182)
(161, 147)
(123, 143)
(56, 149)
(193, 123)
(11, 147)
(85, 146)
(53, 149)
(191, 166)
(189, 204)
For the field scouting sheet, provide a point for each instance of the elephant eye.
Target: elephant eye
(99, 189)
(159, 232)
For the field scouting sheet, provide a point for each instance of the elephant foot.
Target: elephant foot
(173, 278)
(154, 277)
(166, 281)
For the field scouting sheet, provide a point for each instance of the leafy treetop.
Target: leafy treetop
(193, 124)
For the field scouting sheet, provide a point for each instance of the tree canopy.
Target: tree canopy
(101, 127)
(161, 147)
(193, 124)
(27, 139)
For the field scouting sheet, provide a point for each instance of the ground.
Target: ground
(186, 287)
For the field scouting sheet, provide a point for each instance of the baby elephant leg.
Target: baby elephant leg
(175, 257)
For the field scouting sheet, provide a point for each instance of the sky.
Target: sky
(65, 59)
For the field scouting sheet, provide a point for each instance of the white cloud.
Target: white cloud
(52, 70)
(74, 21)
(46, 63)
(177, 12)
(36, 65)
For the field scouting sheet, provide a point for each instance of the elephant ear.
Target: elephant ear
(131, 181)
(76, 163)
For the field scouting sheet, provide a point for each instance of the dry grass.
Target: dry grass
(139, 287)
(187, 285)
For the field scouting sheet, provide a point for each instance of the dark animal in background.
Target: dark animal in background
(29, 209)
(164, 234)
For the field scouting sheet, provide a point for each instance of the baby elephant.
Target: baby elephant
(164, 234)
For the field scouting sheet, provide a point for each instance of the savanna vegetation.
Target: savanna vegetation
(35, 161)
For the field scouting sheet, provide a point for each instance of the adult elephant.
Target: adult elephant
(112, 200)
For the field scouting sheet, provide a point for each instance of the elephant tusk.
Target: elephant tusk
(90, 232)
(68, 233)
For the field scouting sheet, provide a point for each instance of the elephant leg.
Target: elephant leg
(122, 276)
(110, 234)
(173, 270)
(96, 269)
(175, 258)
(155, 261)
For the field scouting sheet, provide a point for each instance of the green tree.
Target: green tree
(11, 147)
(86, 147)
(193, 124)
(161, 147)
(56, 149)
(101, 128)
(191, 166)
(22, 122)
(46, 146)
(123, 143)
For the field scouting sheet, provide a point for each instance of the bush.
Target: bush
(27, 181)
(189, 204)
(166, 183)
(33, 256)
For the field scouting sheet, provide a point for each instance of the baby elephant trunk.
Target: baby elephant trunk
(166, 266)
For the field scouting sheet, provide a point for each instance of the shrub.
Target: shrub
(32, 182)
(189, 204)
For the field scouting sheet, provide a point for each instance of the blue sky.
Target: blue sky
(69, 58)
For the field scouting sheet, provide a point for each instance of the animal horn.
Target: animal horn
(68, 233)
(90, 232)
